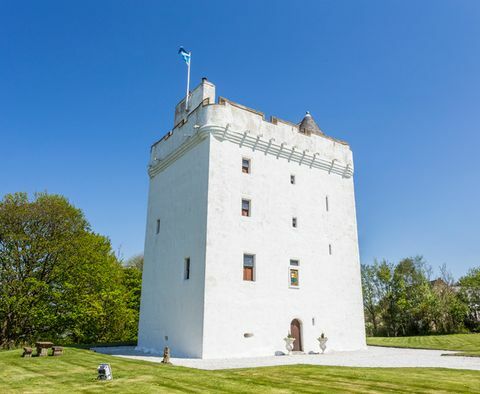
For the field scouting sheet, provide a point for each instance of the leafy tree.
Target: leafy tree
(400, 299)
(135, 262)
(58, 279)
(470, 294)
(132, 280)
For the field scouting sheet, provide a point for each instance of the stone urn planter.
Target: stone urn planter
(322, 340)
(289, 344)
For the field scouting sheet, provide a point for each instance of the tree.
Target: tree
(136, 262)
(470, 294)
(58, 279)
(132, 280)
(400, 299)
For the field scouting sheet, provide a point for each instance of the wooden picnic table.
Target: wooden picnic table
(42, 348)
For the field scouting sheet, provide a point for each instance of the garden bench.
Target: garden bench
(27, 352)
(57, 350)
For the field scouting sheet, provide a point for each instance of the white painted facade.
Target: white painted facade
(196, 189)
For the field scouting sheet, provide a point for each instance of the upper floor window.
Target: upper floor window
(294, 222)
(158, 226)
(330, 249)
(245, 207)
(186, 269)
(326, 203)
(292, 179)
(249, 267)
(246, 166)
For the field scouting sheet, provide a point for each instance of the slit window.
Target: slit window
(326, 203)
(292, 179)
(330, 249)
(294, 222)
(157, 231)
(249, 267)
(186, 270)
(246, 166)
(245, 207)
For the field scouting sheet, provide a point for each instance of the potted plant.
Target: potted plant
(322, 339)
(289, 339)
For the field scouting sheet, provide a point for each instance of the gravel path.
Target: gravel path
(382, 357)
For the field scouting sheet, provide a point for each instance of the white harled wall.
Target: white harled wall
(171, 306)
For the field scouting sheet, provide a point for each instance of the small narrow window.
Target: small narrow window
(294, 277)
(326, 203)
(245, 207)
(158, 226)
(330, 249)
(294, 263)
(249, 267)
(186, 271)
(294, 222)
(246, 166)
(292, 179)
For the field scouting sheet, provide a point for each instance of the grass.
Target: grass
(75, 371)
(468, 344)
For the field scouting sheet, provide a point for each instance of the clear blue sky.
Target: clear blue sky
(87, 86)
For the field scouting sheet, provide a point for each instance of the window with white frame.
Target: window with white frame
(246, 205)
(246, 166)
(249, 267)
(293, 273)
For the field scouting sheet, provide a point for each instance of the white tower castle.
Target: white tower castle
(251, 235)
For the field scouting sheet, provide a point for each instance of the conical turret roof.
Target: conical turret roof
(308, 125)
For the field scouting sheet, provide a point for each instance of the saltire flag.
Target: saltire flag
(185, 54)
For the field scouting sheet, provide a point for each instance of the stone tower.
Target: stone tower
(251, 235)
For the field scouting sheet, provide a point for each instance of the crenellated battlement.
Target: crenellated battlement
(305, 139)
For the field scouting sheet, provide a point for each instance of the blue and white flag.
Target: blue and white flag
(185, 54)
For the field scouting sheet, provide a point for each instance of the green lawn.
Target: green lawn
(468, 344)
(75, 371)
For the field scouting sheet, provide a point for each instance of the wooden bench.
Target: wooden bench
(27, 352)
(57, 350)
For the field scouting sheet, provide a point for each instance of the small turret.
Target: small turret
(308, 126)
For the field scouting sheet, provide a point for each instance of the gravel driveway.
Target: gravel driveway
(383, 357)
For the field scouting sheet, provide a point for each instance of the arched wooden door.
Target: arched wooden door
(296, 331)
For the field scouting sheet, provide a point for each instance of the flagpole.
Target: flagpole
(188, 81)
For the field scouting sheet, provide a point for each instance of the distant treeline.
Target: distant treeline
(59, 280)
(403, 299)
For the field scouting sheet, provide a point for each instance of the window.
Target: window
(249, 267)
(246, 166)
(293, 273)
(186, 270)
(293, 277)
(294, 222)
(330, 249)
(245, 207)
(158, 226)
(326, 203)
(292, 179)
